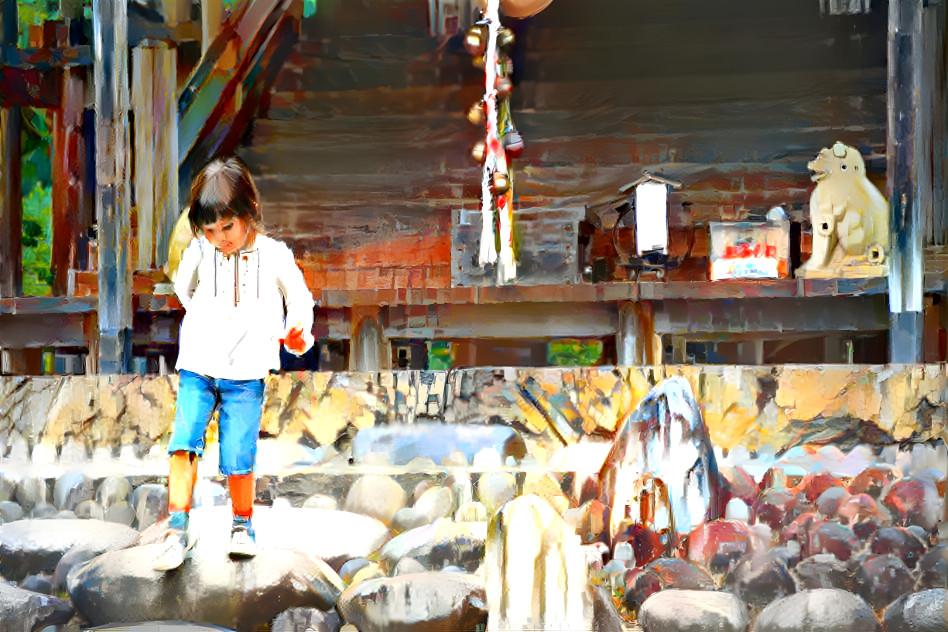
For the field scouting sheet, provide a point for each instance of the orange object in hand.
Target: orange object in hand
(294, 341)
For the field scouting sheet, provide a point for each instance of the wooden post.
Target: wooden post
(635, 340)
(935, 58)
(212, 12)
(68, 153)
(110, 28)
(11, 198)
(156, 149)
(368, 348)
(904, 166)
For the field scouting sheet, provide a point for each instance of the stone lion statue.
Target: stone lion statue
(850, 217)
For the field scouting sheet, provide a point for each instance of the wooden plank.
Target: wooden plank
(110, 25)
(936, 58)
(68, 184)
(42, 330)
(11, 199)
(904, 168)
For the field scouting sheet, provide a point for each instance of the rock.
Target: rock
(822, 571)
(406, 519)
(820, 610)
(872, 480)
(121, 513)
(676, 610)
(899, 542)
(306, 620)
(917, 612)
(881, 579)
(535, 569)
(45, 510)
(772, 508)
(376, 496)
(815, 484)
(321, 501)
(681, 574)
(859, 508)
(496, 488)
(7, 488)
(829, 502)
(37, 584)
(208, 586)
(10, 511)
(151, 504)
(473, 511)
(687, 466)
(605, 615)
(408, 566)
(832, 537)
(72, 488)
(89, 508)
(933, 568)
(410, 603)
(716, 544)
(26, 610)
(438, 544)
(350, 568)
(112, 490)
(436, 441)
(437, 502)
(640, 584)
(760, 578)
(914, 501)
(647, 544)
(159, 626)
(33, 546)
(32, 491)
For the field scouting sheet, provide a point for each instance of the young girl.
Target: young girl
(243, 297)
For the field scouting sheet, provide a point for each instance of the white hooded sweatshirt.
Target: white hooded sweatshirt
(237, 308)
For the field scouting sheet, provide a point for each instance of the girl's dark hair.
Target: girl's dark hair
(222, 190)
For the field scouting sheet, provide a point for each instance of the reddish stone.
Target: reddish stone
(771, 508)
(914, 501)
(830, 501)
(881, 579)
(715, 544)
(802, 530)
(899, 542)
(872, 480)
(774, 478)
(858, 508)
(678, 573)
(741, 484)
(640, 584)
(832, 537)
(647, 544)
(816, 483)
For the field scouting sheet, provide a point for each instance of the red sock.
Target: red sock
(241, 494)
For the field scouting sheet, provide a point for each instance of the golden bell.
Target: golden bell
(475, 40)
(500, 182)
(475, 113)
(505, 37)
(503, 85)
(478, 61)
(479, 151)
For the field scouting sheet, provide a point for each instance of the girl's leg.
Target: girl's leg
(197, 399)
(181, 479)
(239, 422)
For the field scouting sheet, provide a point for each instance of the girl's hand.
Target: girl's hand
(294, 341)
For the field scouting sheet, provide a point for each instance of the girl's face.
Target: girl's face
(227, 235)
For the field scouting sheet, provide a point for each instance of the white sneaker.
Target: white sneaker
(243, 541)
(174, 547)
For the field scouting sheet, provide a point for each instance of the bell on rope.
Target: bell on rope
(475, 113)
(478, 61)
(512, 142)
(503, 85)
(475, 40)
(505, 37)
(478, 151)
(500, 182)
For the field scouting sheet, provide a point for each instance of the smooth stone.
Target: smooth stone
(676, 610)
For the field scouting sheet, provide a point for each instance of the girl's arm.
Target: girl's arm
(299, 303)
(186, 278)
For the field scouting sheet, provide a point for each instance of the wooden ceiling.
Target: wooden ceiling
(365, 132)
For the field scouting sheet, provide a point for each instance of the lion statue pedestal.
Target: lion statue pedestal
(850, 218)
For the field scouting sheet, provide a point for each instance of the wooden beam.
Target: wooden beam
(110, 25)
(11, 198)
(935, 56)
(68, 156)
(904, 167)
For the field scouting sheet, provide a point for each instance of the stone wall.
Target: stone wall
(60, 419)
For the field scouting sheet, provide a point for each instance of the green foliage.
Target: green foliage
(34, 13)
(573, 352)
(309, 8)
(37, 230)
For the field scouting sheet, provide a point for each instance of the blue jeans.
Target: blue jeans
(241, 405)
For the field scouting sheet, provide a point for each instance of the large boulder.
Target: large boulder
(439, 544)
(26, 610)
(209, 587)
(417, 602)
(33, 546)
(820, 610)
(665, 437)
(693, 611)
(917, 612)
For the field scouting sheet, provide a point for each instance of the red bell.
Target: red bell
(500, 182)
(475, 40)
